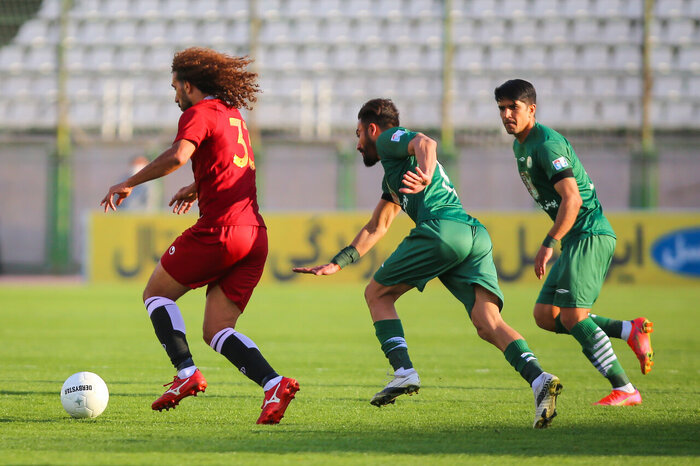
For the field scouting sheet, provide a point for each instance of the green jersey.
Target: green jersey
(547, 157)
(438, 200)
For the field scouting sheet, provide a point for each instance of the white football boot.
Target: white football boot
(405, 382)
(546, 388)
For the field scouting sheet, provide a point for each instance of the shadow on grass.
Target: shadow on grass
(671, 439)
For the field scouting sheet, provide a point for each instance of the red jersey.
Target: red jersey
(223, 164)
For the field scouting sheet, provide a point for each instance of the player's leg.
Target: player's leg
(389, 331)
(475, 283)
(226, 300)
(420, 257)
(582, 267)
(635, 332)
(159, 298)
(548, 315)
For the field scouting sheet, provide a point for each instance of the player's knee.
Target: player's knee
(208, 335)
(485, 330)
(541, 321)
(544, 317)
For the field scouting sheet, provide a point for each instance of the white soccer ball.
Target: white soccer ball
(84, 394)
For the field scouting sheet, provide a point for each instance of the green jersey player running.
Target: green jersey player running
(555, 178)
(446, 243)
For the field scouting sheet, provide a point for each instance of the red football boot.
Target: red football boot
(640, 342)
(276, 401)
(179, 389)
(620, 398)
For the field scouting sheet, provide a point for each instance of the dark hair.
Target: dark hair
(381, 112)
(516, 89)
(217, 74)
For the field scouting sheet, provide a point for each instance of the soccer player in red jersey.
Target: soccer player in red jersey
(226, 248)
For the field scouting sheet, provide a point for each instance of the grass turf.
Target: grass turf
(472, 408)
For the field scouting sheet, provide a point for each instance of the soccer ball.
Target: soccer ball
(84, 394)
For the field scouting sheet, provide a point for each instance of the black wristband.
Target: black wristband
(549, 242)
(346, 256)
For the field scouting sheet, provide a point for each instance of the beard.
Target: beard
(184, 103)
(369, 154)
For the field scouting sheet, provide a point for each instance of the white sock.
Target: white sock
(401, 372)
(271, 383)
(538, 381)
(629, 388)
(186, 372)
(626, 329)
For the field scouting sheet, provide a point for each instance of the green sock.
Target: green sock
(523, 360)
(598, 349)
(611, 327)
(390, 335)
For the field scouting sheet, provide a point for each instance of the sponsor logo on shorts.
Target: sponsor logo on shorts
(171, 251)
(561, 291)
(679, 251)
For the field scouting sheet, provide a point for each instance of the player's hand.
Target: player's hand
(121, 190)
(183, 200)
(326, 269)
(541, 259)
(414, 182)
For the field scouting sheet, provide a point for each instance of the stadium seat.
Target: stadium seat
(668, 86)
(50, 9)
(533, 56)
(145, 9)
(122, 31)
(553, 31)
(689, 57)
(607, 8)
(595, 57)
(469, 57)
(627, 57)
(35, 32)
(585, 30)
(501, 57)
(669, 8)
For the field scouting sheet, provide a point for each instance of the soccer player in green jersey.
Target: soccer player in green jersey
(446, 243)
(557, 181)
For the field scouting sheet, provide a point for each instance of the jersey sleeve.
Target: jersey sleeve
(193, 126)
(393, 143)
(554, 160)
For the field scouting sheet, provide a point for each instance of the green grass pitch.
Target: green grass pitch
(473, 407)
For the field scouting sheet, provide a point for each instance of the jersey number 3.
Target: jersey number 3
(237, 159)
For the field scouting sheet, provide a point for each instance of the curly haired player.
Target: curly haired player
(226, 249)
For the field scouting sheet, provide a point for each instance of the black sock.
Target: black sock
(244, 354)
(170, 330)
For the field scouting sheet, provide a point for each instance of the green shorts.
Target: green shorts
(457, 253)
(577, 276)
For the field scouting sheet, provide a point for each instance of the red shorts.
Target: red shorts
(230, 256)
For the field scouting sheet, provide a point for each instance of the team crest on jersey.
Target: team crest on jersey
(560, 163)
(397, 135)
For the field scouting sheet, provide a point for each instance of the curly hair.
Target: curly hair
(217, 74)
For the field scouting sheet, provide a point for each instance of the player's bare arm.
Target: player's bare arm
(368, 236)
(184, 198)
(566, 217)
(425, 150)
(167, 162)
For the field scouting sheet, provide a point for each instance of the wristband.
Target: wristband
(346, 256)
(549, 242)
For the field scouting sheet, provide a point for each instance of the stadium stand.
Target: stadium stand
(584, 57)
